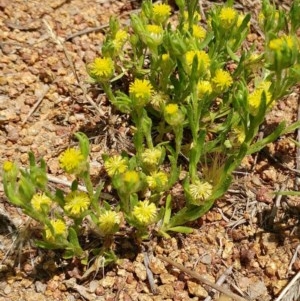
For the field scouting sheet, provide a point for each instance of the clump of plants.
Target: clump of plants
(197, 82)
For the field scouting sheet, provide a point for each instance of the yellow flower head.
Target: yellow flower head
(120, 39)
(151, 156)
(173, 115)
(154, 29)
(227, 16)
(145, 213)
(140, 91)
(157, 180)
(281, 43)
(254, 99)
(161, 12)
(115, 164)
(8, 166)
(200, 191)
(109, 222)
(59, 229)
(239, 134)
(165, 57)
(204, 88)
(101, 68)
(76, 202)
(72, 161)
(40, 202)
(199, 32)
(131, 176)
(203, 59)
(222, 80)
(158, 99)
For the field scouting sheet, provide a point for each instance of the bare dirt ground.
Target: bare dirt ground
(250, 237)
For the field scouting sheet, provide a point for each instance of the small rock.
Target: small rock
(166, 291)
(7, 289)
(93, 285)
(157, 266)
(167, 278)
(140, 271)
(40, 287)
(108, 281)
(196, 289)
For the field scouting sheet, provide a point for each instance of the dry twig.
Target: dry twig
(292, 290)
(36, 104)
(202, 279)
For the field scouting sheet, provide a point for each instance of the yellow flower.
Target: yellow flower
(199, 32)
(200, 191)
(120, 39)
(204, 88)
(140, 91)
(101, 68)
(157, 180)
(72, 160)
(131, 176)
(227, 16)
(156, 34)
(173, 115)
(222, 80)
(254, 99)
(161, 12)
(40, 201)
(76, 202)
(239, 134)
(281, 43)
(8, 166)
(59, 229)
(109, 222)
(115, 164)
(151, 156)
(145, 213)
(165, 57)
(203, 59)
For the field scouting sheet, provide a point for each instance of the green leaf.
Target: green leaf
(168, 210)
(181, 229)
(272, 137)
(287, 193)
(84, 144)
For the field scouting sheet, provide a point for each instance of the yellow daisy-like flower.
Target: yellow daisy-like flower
(131, 176)
(120, 39)
(204, 88)
(199, 32)
(76, 202)
(200, 191)
(254, 99)
(280, 43)
(228, 16)
(173, 115)
(40, 201)
(151, 156)
(203, 59)
(115, 164)
(239, 134)
(101, 68)
(109, 222)
(140, 91)
(8, 166)
(161, 12)
(59, 229)
(154, 29)
(72, 161)
(222, 80)
(157, 180)
(145, 213)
